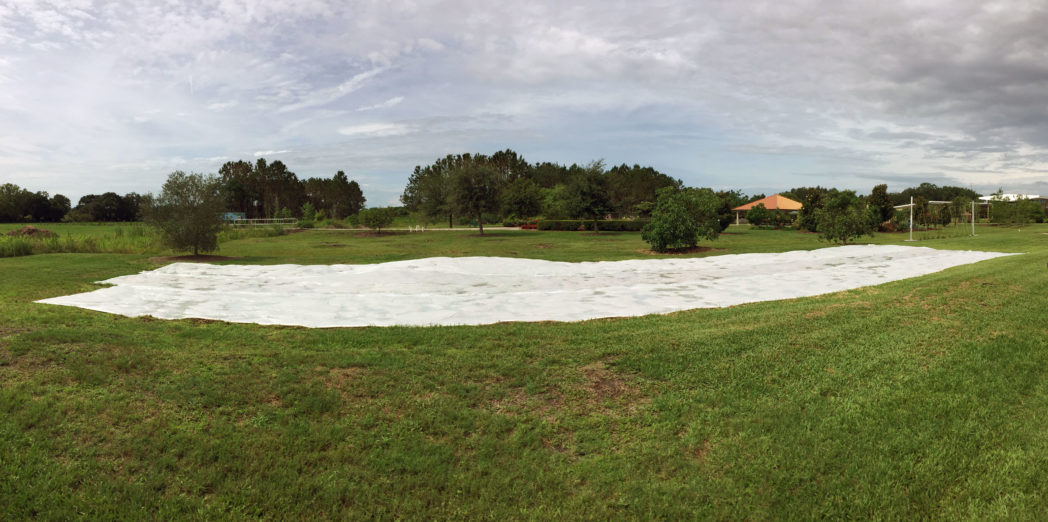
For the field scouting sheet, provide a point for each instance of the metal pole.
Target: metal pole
(911, 218)
(973, 217)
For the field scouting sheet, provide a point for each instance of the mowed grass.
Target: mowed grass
(923, 398)
(354, 246)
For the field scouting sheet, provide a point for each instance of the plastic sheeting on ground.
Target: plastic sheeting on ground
(483, 290)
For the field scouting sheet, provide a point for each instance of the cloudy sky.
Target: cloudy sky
(108, 95)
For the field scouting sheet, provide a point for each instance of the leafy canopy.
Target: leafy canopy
(758, 215)
(376, 218)
(845, 217)
(475, 190)
(681, 218)
(187, 213)
(587, 195)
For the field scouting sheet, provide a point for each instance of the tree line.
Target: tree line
(267, 190)
(258, 190)
(20, 205)
(953, 205)
(839, 216)
(479, 188)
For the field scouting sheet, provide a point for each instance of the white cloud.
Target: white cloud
(701, 90)
(430, 44)
(218, 106)
(325, 96)
(384, 105)
(376, 129)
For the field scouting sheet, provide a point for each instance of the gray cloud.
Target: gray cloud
(96, 93)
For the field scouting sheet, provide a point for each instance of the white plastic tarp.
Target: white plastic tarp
(483, 290)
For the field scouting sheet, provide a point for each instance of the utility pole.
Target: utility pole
(911, 218)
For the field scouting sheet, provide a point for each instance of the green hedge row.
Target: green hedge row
(610, 225)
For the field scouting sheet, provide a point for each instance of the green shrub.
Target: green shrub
(304, 223)
(234, 233)
(15, 246)
(671, 227)
(1018, 212)
(309, 212)
(758, 215)
(846, 217)
(608, 225)
(681, 218)
(187, 213)
(377, 218)
(77, 216)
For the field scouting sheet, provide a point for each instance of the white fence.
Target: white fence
(263, 222)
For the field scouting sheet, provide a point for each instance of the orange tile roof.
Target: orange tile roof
(772, 202)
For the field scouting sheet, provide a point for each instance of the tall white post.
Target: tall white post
(973, 217)
(911, 218)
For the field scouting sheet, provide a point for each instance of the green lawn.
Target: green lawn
(354, 246)
(923, 398)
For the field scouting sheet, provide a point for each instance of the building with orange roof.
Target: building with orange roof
(772, 202)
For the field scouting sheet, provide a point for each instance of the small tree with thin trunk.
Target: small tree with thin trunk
(187, 213)
(475, 190)
(376, 218)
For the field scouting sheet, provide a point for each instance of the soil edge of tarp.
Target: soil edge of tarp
(683, 251)
(191, 259)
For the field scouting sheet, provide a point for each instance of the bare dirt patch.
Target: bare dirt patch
(702, 451)
(341, 379)
(378, 233)
(338, 376)
(603, 384)
(557, 446)
(683, 251)
(518, 401)
(200, 258)
(32, 232)
(543, 245)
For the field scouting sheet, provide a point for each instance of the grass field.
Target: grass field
(923, 398)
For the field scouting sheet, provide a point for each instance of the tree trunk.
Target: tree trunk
(596, 229)
(480, 223)
(451, 220)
